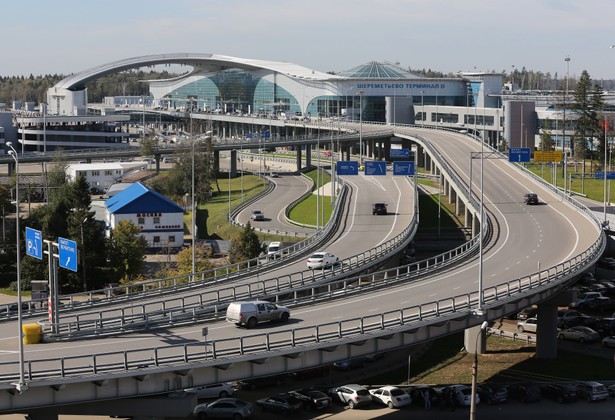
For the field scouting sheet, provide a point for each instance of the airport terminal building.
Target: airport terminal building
(217, 84)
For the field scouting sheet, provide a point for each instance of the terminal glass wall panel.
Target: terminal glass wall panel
(445, 118)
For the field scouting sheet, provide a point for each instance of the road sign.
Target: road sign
(34, 243)
(67, 252)
(400, 153)
(600, 175)
(375, 168)
(519, 154)
(403, 168)
(347, 167)
(548, 156)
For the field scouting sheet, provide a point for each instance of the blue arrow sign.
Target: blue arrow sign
(519, 154)
(67, 252)
(403, 168)
(400, 153)
(34, 243)
(600, 175)
(375, 168)
(347, 167)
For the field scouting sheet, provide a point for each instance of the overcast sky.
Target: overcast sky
(68, 36)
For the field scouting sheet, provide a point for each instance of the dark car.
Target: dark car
(418, 395)
(525, 392)
(492, 393)
(530, 198)
(527, 313)
(281, 403)
(312, 399)
(561, 393)
(350, 364)
(605, 326)
(262, 382)
(599, 304)
(606, 263)
(609, 287)
(379, 208)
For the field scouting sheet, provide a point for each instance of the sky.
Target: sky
(68, 36)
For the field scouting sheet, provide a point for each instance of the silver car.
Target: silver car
(224, 408)
(529, 325)
(581, 334)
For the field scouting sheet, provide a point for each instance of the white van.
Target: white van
(252, 312)
(274, 250)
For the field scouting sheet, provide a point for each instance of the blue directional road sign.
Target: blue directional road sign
(600, 175)
(34, 243)
(347, 167)
(403, 168)
(400, 153)
(375, 168)
(67, 251)
(519, 154)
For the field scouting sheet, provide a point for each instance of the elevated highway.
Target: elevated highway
(529, 254)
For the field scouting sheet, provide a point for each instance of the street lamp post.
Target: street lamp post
(422, 110)
(85, 288)
(21, 385)
(193, 217)
(361, 127)
(483, 327)
(605, 223)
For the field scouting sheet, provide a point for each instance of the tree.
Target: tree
(588, 101)
(546, 141)
(184, 259)
(126, 250)
(246, 246)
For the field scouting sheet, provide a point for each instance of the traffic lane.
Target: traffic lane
(289, 187)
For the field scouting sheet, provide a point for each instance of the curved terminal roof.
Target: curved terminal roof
(376, 70)
(199, 62)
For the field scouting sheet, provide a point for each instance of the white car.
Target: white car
(257, 215)
(220, 390)
(608, 341)
(463, 394)
(321, 259)
(391, 396)
(529, 325)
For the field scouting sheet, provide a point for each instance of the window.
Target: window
(141, 220)
(95, 173)
(171, 238)
(156, 239)
(108, 173)
(156, 220)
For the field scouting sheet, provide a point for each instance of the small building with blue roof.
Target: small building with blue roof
(160, 219)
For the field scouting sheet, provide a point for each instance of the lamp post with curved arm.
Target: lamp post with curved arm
(21, 385)
(483, 327)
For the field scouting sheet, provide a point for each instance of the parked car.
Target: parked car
(353, 395)
(529, 325)
(250, 313)
(321, 259)
(492, 393)
(462, 394)
(312, 399)
(224, 408)
(529, 312)
(609, 287)
(564, 316)
(605, 327)
(607, 263)
(260, 382)
(350, 364)
(599, 304)
(530, 198)
(257, 215)
(525, 392)
(584, 299)
(417, 393)
(581, 334)
(587, 278)
(608, 341)
(561, 393)
(281, 403)
(221, 390)
(391, 396)
(611, 390)
(592, 391)
(379, 208)
(579, 321)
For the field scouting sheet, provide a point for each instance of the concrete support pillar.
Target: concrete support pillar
(217, 160)
(308, 156)
(298, 151)
(233, 163)
(546, 331)
(386, 149)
